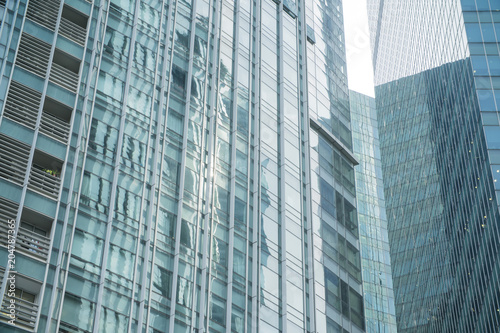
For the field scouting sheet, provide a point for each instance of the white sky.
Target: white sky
(359, 62)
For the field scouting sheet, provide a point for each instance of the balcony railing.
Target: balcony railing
(64, 77)
(54, 127)
(22, 104)
(13, 159)
(26, 312)
(43, 12)
(72, 31)
(27, 242)
(33, 55)
(43, 182)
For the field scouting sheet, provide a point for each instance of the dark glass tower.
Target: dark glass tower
(177, 166)
(436, 72)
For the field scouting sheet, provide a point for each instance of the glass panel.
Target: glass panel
(184, 292)
(87, 247)
(332, 289)
(162, 281)
(78, 312)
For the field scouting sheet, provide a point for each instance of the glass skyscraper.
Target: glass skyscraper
(375, 258)
(176, 166)
(436, 71)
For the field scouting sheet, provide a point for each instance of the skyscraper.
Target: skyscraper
(378, 295)
(177, 166)
(436, 75)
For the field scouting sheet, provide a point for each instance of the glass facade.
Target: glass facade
(437, 110)
(375, 259)
(177, 166)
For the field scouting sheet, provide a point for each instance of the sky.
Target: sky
(359, 62)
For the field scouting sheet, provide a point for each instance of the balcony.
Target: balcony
(73, 25)
(63, 77)
(25, 300)
(26, 312)
(44, 12)
(55, 120)
(33, 55)
(32, 237)
(44, 182)
(13, 159)
(72, 31)
(45, 175)
(33, 234)
(22, 104)
(65, 70)
(32, 243)
(27, 242)
(54, 127)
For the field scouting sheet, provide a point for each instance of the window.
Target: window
(183, 292)
(327, 197)
(162, 282)
(330, 243)
(25, 296)
(178, 81)
(351, 217)
(344, 295)
(356, 302)
(77, 312)
(354, 266)
(187, 234)
(340, 208)
(332, 327)
(217, 310)
(332, 290)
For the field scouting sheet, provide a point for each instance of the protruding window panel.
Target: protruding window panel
(13, 159)
(43, 12)
(22, 104)
(33, 55)
(8, 213)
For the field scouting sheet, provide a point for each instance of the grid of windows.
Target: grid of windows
(438, 139)
(165, 148)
